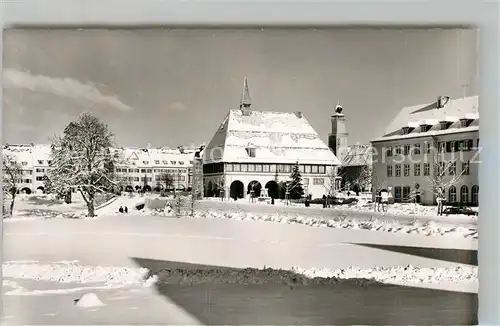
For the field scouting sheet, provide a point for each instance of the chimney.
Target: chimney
(181, 149)
(442, 101)
(298, 114)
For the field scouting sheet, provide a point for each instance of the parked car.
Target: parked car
(459, 210)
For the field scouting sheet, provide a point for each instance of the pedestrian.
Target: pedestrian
(384, 198)
(120, 209)
(348, 193)
(440, 201)
(324, 201)
(272, 200)
(307, 203)
(126, 209)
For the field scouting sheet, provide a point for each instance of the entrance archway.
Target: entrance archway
(210, 189)
(273, 189)
(237, 189)
(26, 191)
(129, 188)
(146, 188)
(41, 189)
(255, 186)
(137, 188)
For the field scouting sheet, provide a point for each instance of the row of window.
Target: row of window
(404, 194)
(40, 162)
(173, 171)
(262, 168)
(157, 162)
(149, 179)
(442, 169)
(443, 147)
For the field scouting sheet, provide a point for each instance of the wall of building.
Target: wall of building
(314, 184)
(381, 161)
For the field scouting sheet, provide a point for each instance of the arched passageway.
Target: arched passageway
(237, 189)
(210, 189)
(273, 189)
(129, 188)
(26, 191)
(40, 190)
(146, 188)
(254, 187)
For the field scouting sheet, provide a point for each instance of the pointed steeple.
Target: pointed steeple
(246, 101)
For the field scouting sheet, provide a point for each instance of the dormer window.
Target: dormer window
(424, 127)
(173, 162)
(465, 122)
(250, 150)
(406, 130)
(181, 163)
(444, 125)
(157, 162)
(164, 162)
(145, 162)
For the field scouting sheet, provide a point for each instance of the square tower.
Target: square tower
(337, 139)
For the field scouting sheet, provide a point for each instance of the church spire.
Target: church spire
(246, 101)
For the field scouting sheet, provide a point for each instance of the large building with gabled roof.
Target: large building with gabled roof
(430, 146)
(256, 150)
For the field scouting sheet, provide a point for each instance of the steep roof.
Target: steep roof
(276, 137)
(429, 113)
(358, 155)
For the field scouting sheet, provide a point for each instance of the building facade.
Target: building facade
(430, 147)
(355, 170)
(137, 168)
(255, 152)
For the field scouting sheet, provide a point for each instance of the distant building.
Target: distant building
(138, 168)
(355, 169)
(430, 146)
(255, 151)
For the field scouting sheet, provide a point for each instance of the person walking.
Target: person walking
(440, 202)
(324, 201)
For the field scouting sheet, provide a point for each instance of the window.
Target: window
(397, 194)
(452, 168)
(307, 169)
(191, 162)
(24, 163)
(301, 168)
(28, 172)
(173, 162)
(407, 170)
(148, 170)
(157, 162)
(388, 151)
(466, 168)
(229, 167)
(244, 167)
(322, 169)
(442, 147)
(40, 162)
(406, 149)
(416, 169)
(39, 178)
(143, 170)
(428, 147)
(406, 193)
(181, 162)
(27, 180)
(464, 194)
(398, 150)
(145, 162)
(417, 149)
(475, 195)
(40, 170)
(266, 168)
(164, 162)
(258, 167)
(314, 169)
(398, 170)
(157, 178)
(236, 167)
(452, 194)
(318, 181)
(272, 168)
(389, 170)
(305, 181)
(427, 169)
(251, 168)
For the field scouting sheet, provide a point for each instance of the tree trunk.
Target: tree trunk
(90, 208)
(67, 197)
(12, 201)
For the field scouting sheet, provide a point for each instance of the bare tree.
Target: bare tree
(12, 174)
(167, 180)
(445, 173)
(82, 159)
(220, 184)
(364, 178)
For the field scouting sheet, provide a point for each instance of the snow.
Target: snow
(125, 276)
(455, 107)
(279, 137)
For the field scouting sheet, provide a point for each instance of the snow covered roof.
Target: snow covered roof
(453, 110)
(358, 155)
(430, 114)
(21, 154)
(156, 157)
(276, 137)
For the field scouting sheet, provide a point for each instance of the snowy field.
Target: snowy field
(145, 264)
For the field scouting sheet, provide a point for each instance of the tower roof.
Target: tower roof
(246, 100)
